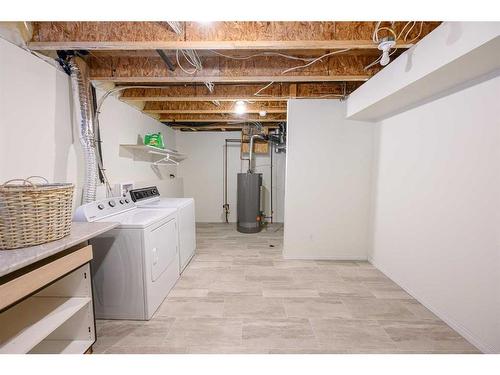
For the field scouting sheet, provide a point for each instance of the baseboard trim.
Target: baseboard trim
(469, 336)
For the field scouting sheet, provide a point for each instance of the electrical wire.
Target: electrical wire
(388, 29)
(404, 28)
(397, 37)
(257, 93)
(176, 26)
(191, 56)
(262, 54)
(419, 33)
(210, 86)
(315, 60)
(375, 32)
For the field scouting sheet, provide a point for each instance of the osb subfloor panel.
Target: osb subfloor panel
(238, 295)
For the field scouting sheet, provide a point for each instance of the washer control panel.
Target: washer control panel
(102, 208)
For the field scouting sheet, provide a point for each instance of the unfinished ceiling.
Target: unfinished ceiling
(261, 63)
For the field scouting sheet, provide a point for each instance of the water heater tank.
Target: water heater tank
(248, 208)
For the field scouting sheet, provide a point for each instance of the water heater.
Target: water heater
(248, 208)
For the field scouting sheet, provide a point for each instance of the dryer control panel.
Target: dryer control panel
(144, 193)
(102, 208)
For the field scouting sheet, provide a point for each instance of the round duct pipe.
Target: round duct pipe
(80, 86)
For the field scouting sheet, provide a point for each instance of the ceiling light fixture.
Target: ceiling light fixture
(385, 46)
(240, 107)
(262, 113)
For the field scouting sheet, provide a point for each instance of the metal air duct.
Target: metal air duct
(80, 85)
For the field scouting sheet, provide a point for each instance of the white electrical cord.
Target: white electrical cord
(397, 37)
(419, 33)
(191, 56)
(310, 60)
(263, 88)
(375, 32)
(315, 60)
(176, 26)
(262, 54)
(409, 30)
(210, 86)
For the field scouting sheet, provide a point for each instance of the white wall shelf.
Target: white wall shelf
(167, 156)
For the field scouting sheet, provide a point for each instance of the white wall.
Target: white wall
(203, 176)
(39, 134)
(122, 124)
(328, 182)
(437, 212)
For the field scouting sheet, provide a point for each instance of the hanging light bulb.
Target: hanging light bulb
(385, 46)
(240, 107)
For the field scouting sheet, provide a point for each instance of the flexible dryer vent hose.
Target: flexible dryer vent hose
(80, 85)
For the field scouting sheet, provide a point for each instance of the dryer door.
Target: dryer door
(163, 247)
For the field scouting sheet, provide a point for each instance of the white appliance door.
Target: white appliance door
(162, 263)
(163, 247)
(187, 234)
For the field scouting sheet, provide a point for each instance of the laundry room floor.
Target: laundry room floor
(238, 295)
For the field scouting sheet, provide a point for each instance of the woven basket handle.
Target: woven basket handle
(43, 178)
(26, 181)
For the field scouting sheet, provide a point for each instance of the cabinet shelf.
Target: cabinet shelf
(25, 325)
(167, 156)
(62, 347)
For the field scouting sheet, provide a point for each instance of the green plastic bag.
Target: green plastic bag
(154, 139)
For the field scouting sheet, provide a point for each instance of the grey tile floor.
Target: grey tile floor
(238, 295)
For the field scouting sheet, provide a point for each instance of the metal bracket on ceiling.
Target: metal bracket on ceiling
(166, 60)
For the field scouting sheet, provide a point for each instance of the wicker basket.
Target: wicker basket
(32, 214)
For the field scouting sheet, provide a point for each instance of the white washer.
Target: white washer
(136, 264)
(150, 198)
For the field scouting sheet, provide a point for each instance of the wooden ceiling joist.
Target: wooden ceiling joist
(218, 126)
(215, 35)
(222, 117)
(339, 67)
(232, 92)
(240, 61)
(211, 108)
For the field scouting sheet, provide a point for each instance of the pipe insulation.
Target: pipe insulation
(80, 85)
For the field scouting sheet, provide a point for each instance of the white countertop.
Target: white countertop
(12, 260)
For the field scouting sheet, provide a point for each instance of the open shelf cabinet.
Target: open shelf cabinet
(57, 319)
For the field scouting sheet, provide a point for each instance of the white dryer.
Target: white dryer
(136, 264)
(149, 198)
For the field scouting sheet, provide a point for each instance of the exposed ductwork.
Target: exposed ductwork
(80, 85)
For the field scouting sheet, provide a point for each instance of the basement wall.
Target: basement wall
(437, 208)
(39, 134)
(203, 174)
(328, 182)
